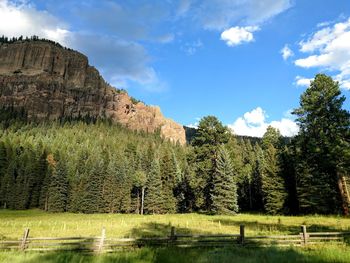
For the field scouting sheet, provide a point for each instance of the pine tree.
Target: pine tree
(110, 187)
(168, 174)
(39, 174)
(224, 192)
(323, 144)
(272, 183)
(8, 185)
(92, 201)
(211, 134)
(58, 190)
(154, 192)
(124, 179)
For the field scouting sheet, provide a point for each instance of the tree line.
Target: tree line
(101, 167)
(34, 38)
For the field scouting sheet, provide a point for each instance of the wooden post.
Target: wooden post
(103, 236)
(304, 235)
(241, 233)
(173, 234)
(24, 239)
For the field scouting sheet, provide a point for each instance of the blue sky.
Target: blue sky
(244, 61)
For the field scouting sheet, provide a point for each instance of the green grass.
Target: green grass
(176, 255)
(43, 224)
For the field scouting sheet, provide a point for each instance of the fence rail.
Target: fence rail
(104, 244)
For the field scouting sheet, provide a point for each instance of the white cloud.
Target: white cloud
(237, 35)
(119, 61)
(286, 52)
(194, 125)
(19, 18)
(301, 81)
(286, 127)
(256, 116)
(254, 124)
(329, 49)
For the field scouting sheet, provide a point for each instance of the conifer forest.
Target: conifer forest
(95, 166)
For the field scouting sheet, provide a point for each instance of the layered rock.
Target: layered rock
(50, 82)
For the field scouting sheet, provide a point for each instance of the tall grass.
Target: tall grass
(177, 255)
(43, 224)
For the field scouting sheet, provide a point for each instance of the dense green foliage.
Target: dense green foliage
(90, 166)
(224, 191)
(83, 167)
(322, 147)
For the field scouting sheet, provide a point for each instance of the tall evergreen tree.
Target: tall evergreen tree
(211, 134)
(168, 171)
(272, 183)
(154, 193)
(58, 190)
(224, 191)
(92, 201)
(323, 146)
(110, 186)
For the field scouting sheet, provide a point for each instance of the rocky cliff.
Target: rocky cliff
(50, 82)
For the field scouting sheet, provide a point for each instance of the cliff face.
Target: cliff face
(49, 82)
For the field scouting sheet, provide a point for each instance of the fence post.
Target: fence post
(172, 234)
(304, 234)
(241, 234)
(102, 239)
(24, 239)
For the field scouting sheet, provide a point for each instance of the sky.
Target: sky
(244, 61)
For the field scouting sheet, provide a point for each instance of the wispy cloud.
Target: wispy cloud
(222, 14)
(286, 52)
(329, 49)
(191, 48)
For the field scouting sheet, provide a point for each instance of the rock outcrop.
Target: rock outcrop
(50, 82)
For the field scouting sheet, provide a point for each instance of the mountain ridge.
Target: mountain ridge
(51, 82)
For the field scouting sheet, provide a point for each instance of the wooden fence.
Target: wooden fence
(103, 244)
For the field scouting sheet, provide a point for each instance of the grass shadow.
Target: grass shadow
(153, 229)
(257, 226)
(191, 255)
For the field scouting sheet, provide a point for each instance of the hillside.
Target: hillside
(50, 82)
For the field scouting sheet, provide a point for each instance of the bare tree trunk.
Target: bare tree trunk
(343, 193)
(142, 198)
(46, 202)
(138, 202)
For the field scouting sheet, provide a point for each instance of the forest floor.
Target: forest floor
(43, 224)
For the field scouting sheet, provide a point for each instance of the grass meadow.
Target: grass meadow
(43, 224)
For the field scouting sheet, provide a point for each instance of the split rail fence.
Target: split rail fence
(104, 244)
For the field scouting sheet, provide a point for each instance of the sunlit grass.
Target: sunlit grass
(43, 224)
